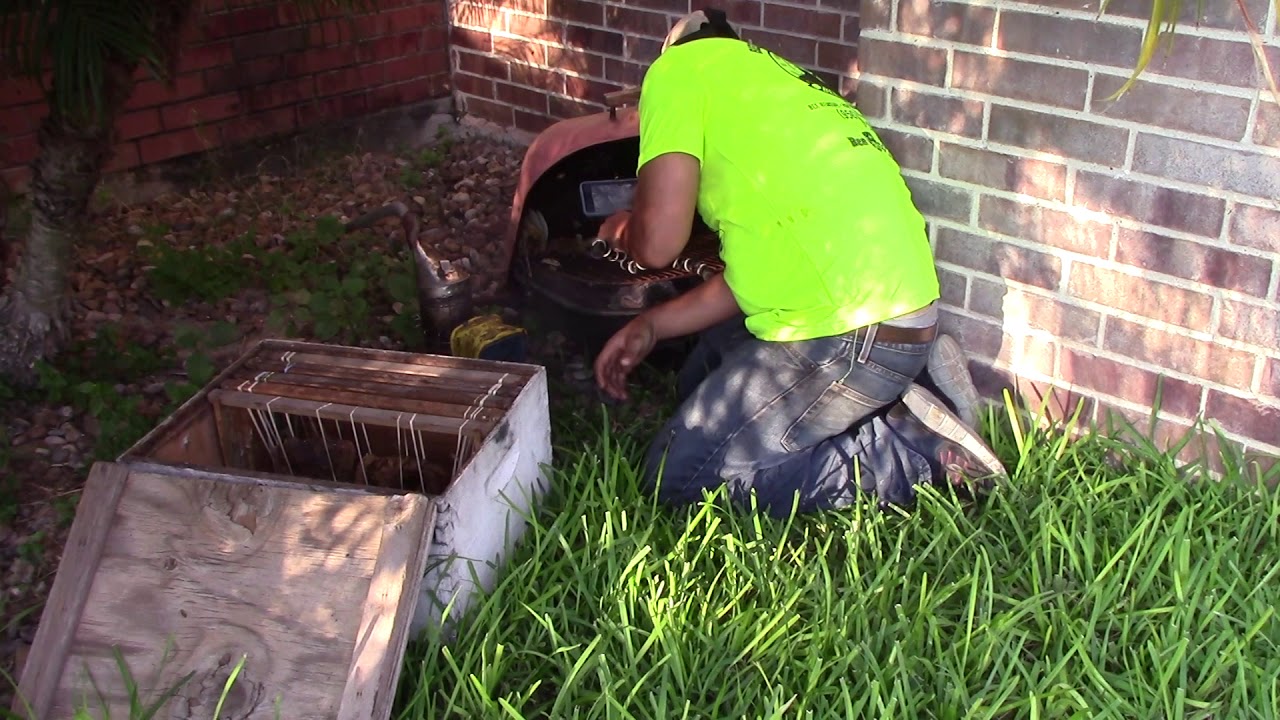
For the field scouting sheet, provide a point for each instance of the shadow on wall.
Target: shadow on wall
(1068, 277)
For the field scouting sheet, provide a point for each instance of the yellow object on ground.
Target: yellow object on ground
(487, 337)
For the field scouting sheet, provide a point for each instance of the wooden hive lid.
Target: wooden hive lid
(180, 571)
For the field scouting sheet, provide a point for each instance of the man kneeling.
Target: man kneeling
(801, 389)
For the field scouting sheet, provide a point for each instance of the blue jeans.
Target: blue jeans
(801, 423)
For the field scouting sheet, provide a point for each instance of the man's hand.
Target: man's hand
(627, 348)
(614, 230)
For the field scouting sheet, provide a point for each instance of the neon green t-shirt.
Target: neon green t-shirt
(818, 231)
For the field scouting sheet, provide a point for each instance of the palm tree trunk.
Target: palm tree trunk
(64, 176)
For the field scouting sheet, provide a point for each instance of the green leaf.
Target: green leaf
(353, 284)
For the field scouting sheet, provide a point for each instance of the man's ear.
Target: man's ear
(663, 210)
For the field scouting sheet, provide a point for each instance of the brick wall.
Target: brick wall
(251, 69)
(1086, 244)
(529, 62)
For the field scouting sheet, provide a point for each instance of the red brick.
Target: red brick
(1015, 307)
(20, 91)
(1194, 261)
(940, 200)
(137, 124)
(203, 57)
(876, 14)
(1077, 39)
(636, 22)
(852, 29)
(1211, 60)
(412, 67)
(577, 61)
(521, 97)
(533, 76)
(936, 112)
(198, 112)
(489, 110)
(743, 12)
(247, 74)
(677, 7)
(1165, 106)
(477, 14)
(390, 47)
(534, 53)
(644, 49)
(1011, 173)
(903, 61)
(17, 178)
(158, 92)
(1244, 416)
(21, 119)
(841, 57)
(317, 60)
(1242, 171)
(289, 92)
(274, 42)
(588, 89)
(532, 122)
(1068, 137)
(332, 33)
(435, 38)
(1271, 377)
(952, 287)
(156, 148)
(870, 100)
(1254, 226)
(485, 65)
(534, 27)
(1049, 227)
(577, 11)
(238, 22)
(19, 150)
(471, 39)
(337, 82)
(532, 7)
(1250, 323)
(1127, 382)
(802, 51)
(953, 21)
(802, 21)
(332, 108)
(474, 85)
(408, 93)
(1141, 296)
(998, 258)
(1225, 15)
(123, 157)
(593, 39)
(566, 108)
(1017, 79)
(1189, 212)
(1180, 353)
(914, 152)
(625, 73)
(264, 124)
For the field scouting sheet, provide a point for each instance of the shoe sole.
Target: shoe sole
(935, 416)
(949, 370)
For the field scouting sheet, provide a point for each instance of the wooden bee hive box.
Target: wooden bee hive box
(306, 511)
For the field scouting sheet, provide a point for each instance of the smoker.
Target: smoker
(575, 174)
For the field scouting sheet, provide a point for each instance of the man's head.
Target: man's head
(705, 23)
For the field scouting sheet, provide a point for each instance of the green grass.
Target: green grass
(1098, 583)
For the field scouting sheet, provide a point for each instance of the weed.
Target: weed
(204, 272)
(410, 177)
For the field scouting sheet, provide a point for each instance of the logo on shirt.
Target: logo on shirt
(794, 70)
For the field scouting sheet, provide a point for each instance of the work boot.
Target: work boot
(949, 370)
(961, 454)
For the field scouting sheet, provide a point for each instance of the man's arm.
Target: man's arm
(708, 304)
(663, 209)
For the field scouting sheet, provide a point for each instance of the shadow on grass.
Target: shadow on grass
(1098, 580)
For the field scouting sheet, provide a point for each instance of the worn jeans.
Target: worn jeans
(800, 424)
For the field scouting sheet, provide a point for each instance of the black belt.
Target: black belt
(905, 335)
